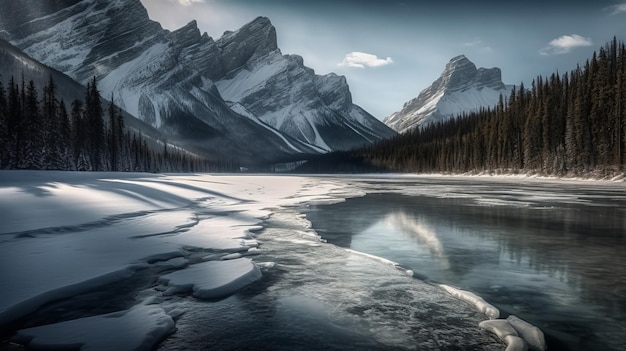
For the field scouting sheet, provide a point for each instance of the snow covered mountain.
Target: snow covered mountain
(282, 92)
(168, 78)
(460, 88)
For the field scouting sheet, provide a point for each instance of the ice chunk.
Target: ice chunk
(481, 305)
(231, 256)
(175, 263)
(531, 334)
(377, 258)
(213, 279)
(515, 343)
(250, 243)
(501, 327)
(139, 328)
(266, 265)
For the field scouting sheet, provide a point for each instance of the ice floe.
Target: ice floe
(213, 279)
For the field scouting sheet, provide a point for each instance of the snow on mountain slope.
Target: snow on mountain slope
(460, 88)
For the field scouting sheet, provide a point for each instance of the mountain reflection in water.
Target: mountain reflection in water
(557, 261)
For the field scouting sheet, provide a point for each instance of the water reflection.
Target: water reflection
(557, 264)
(424, 235)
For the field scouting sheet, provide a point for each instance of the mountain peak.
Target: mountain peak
(458, 71)
(460, 88)
(254, 39)
(261, 21)
(190, 28)
(459, 59)
(191, 24)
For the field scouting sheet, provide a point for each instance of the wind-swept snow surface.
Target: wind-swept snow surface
(109, 261)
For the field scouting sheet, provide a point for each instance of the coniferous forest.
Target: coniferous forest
(38, 131)
(570, 124)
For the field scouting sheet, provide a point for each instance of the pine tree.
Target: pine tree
(34, 145)
(113, 137)
(4, 129)
(51, 130)
(65, 137)
(14, 125)
(95, 126)
(79, 136)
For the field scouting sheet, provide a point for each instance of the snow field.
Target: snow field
(70, 233)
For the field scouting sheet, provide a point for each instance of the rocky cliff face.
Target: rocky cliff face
(460, 88)
(285, 94)
(171, 79)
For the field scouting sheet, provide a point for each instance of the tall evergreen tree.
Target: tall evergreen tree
(33, 130)
(4, 129)
(95, 126)
(51, 128)
(79, 136)
(65, 136)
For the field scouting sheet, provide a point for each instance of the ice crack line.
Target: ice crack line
(114, 219)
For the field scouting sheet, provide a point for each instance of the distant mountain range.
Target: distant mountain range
(460, 88)
(235, 97)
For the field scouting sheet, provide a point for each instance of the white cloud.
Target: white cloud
(565, 44)
(475, 42)
(188, 2)
(617, 9)
(362, 60)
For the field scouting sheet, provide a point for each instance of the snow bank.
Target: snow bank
(481, 305)
(213, 279)
(139, 328)
(531, 334)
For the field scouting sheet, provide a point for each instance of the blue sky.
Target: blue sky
(390, 50)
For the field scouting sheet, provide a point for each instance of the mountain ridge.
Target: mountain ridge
(169, 79)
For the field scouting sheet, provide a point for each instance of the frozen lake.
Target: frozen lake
(222, 262)
(116, 261)
(551, 253)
